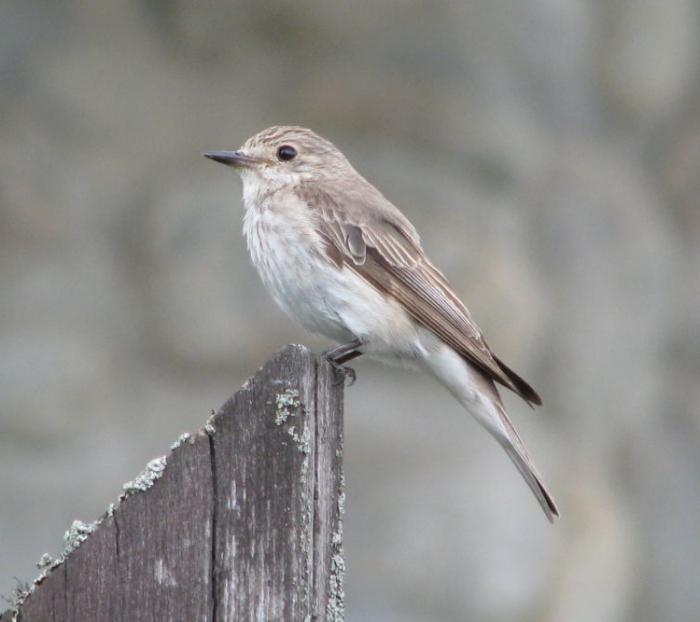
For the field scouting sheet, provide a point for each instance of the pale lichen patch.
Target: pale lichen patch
(73, 538)
(335, 610)
(18, 596)
(209, 426)
(182, 439)
(45, 561)
(76, 535)
(341, 497)
(287, 404)
(289, 409)
(80, 531)
(302, 439)
(153, 471)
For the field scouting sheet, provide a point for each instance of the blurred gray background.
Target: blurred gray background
(548, 151)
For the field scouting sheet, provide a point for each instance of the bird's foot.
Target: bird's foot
(343, 372)
(339, 355)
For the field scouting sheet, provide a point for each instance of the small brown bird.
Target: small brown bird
(342, 260)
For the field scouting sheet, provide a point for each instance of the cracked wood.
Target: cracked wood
(244, 523)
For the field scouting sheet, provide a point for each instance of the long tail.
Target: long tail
(521, 459)
(479, 396)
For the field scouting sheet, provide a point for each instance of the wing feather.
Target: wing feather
(377, 242)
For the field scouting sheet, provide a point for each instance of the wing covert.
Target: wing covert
(373, 238)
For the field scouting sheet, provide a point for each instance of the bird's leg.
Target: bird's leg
(339, 355)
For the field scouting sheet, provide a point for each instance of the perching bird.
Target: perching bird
(343, 261)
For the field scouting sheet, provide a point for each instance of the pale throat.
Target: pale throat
(259, 186)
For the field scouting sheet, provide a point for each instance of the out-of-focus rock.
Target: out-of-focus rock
(595, 580)
(607, 249)
(649, 56)
(205, 304)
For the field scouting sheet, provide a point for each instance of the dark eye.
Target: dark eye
(286, 153)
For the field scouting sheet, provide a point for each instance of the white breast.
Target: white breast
(284, 247)
(289, 256)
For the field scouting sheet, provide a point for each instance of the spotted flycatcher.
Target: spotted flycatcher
(342, 260)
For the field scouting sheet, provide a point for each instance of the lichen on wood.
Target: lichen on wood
(242, 516)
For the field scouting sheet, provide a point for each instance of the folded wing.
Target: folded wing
(368, 234)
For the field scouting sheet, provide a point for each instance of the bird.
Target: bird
(343, 261)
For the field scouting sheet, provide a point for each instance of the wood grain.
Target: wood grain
(243, 524)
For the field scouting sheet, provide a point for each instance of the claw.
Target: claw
(338, 356)
(343, 371)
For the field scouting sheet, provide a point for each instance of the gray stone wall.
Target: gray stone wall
(549, 152)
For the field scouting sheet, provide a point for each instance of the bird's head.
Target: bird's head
(282, 155)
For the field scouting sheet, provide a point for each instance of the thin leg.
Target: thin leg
(344, 352)
(341, 354)
(349, 357)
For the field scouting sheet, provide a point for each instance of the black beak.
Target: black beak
(236, 159)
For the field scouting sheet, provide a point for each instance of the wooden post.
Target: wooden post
(241, 521)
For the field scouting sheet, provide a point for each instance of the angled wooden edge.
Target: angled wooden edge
(241, 520)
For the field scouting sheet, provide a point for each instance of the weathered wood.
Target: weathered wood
(243, 524)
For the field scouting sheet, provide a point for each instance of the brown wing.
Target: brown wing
(366, 232)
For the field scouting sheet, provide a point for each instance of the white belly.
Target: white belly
(292, 274)
(308, 287)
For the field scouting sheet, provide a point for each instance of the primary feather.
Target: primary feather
(386, 251)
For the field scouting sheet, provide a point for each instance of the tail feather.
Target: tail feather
(517, 452)
(479, 396)
(533, 480)
(522, 388)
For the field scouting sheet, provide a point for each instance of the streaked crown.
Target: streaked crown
(296, 151)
